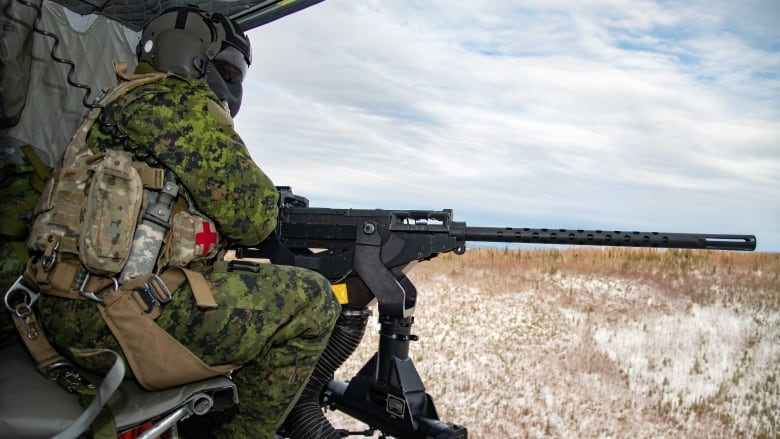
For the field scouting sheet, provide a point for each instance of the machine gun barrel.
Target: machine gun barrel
(608, 238)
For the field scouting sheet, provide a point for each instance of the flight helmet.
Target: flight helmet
(194, 43)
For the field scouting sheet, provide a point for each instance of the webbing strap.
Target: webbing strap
(35, 164)
(31, 334)
(35, 167)
(41, 171)
(45, 355)
(152, 178)
(201, 290)
(110, 384)
(173, 278)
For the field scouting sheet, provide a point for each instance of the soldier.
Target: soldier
(274, 321)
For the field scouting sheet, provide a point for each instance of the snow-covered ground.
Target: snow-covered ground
(576, 353)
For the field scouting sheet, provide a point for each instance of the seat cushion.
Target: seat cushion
(31, 405)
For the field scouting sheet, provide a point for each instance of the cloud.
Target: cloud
(637, 111)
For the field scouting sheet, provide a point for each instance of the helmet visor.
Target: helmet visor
(231, 65)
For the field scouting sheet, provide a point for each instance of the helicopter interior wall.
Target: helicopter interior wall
(53, 108)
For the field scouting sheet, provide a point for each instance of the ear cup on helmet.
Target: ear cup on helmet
(180, 40)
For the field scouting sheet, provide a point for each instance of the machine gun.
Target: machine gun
(366, 255)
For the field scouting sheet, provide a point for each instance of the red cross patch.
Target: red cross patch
(206, 238)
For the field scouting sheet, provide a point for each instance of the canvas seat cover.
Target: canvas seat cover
(31, 406)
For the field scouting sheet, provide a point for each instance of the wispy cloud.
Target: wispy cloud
(614, 113)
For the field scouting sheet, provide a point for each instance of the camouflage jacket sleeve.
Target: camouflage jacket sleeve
(189, 132)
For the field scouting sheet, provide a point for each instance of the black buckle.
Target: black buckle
(154, 293)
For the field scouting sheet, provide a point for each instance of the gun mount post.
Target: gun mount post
(388, 392)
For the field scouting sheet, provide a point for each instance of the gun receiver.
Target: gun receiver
(370, 252)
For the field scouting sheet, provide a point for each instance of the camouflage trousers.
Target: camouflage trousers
(275, 322)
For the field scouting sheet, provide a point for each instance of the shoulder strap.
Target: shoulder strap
(77, 146)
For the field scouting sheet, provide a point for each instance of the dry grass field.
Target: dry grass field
(598, 343)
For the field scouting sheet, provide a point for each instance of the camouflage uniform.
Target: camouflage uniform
(18, 202)
(275, 322)
(16, 213)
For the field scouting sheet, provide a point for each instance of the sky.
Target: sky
(606, 114)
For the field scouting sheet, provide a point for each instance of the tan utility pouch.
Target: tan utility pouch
(58, 213)
(193, 237)
(157, 359)
(111, 211)
(92, 208)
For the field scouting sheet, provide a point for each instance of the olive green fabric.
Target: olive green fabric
(20, 187)
(19, 198)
